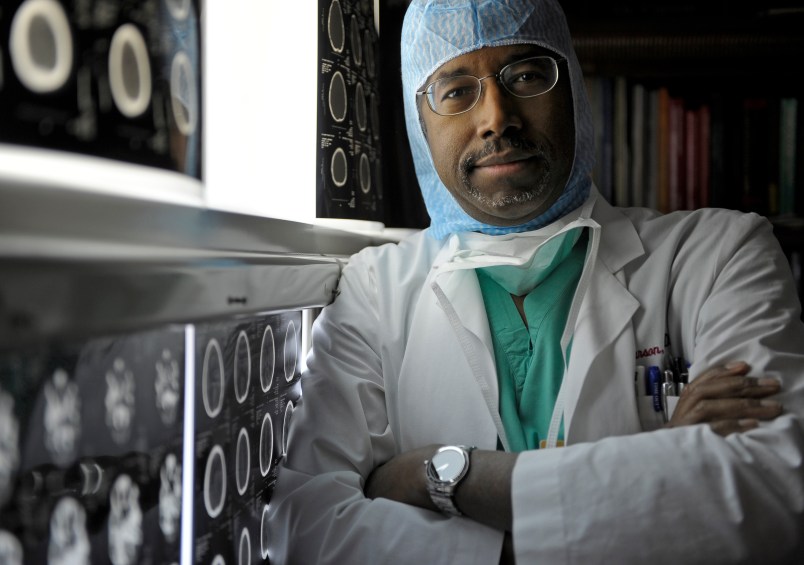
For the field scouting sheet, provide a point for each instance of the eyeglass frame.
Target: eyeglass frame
(498, 75)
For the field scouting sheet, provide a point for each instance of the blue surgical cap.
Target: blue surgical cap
(435, 32)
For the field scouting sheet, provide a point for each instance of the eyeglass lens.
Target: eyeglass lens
(524, 79)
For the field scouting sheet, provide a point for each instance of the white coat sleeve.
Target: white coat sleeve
(340, 433)
(687, 495)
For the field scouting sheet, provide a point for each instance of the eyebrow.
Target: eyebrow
(527, 51)
(449, 74)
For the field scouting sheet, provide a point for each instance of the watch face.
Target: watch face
(448, 464)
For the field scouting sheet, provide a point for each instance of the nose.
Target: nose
(497, 111)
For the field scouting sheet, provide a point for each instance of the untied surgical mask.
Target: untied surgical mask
(519, 262)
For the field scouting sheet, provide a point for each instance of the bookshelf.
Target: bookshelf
(698, 104)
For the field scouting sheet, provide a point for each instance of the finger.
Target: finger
(739, 368)
(735, 409)
(729, 369)
(726, 427)
(736, 386)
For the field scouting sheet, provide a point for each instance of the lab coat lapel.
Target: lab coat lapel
(463, 292)
(437, 395)
(458, 294)
(601, 367)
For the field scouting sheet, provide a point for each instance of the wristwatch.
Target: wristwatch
(445, 471)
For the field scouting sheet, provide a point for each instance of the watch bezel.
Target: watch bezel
(432, 467)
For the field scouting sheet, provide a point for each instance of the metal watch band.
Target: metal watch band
(445, 502)
(443, 493)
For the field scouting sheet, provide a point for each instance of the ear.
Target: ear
(419, 110)
(423, 126)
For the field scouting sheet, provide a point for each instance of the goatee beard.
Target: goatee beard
(540, 152)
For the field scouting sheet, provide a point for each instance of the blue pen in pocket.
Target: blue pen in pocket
(653, 385)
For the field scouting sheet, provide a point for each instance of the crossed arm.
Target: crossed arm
(334, 500)
(725, 398)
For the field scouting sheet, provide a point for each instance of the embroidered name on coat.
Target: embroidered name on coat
(650, 352)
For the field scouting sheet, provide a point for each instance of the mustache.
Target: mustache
(498, 146)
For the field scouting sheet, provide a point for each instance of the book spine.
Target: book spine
(637, 139)
(703, 162)
(755, 156)
(652, 175)
(607, 136)
(787, 155)
(664, 151)
(690, 160)
(676, 155)
(621, 149)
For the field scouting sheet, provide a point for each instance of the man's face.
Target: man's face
(506, 160)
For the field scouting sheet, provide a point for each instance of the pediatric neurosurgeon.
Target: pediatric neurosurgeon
(541, 377)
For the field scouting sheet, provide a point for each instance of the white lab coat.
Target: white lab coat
(398, 363)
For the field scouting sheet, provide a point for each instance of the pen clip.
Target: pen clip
(669, 383)
(667, 391)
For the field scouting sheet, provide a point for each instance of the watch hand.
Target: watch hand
(442, 467)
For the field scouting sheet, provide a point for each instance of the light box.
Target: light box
(102, 97)
(292, 110)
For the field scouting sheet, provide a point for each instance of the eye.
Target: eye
(454, 89)
(457, 93)
(528, 76)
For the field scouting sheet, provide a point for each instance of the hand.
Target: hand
(728, 400)
(403, 478)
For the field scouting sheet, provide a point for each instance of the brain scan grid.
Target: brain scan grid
(91, 443)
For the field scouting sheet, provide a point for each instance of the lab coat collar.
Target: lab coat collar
(619, 243)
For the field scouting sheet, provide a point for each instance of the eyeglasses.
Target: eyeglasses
(527, 78)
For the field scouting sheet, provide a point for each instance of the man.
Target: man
(518, 322)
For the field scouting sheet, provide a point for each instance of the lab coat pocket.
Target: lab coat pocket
(649, 417)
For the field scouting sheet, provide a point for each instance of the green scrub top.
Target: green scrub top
(530, 364)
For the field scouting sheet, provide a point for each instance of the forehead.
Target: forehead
(485, 58)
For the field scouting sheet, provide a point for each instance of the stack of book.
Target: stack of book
(674, 151)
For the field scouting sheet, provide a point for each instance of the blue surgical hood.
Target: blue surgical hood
(435, 32)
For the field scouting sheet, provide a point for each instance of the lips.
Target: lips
(503, 158)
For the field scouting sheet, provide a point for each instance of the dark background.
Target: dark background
(746, 47)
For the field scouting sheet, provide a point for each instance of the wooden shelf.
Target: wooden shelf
(765, 56)
(702, 39)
